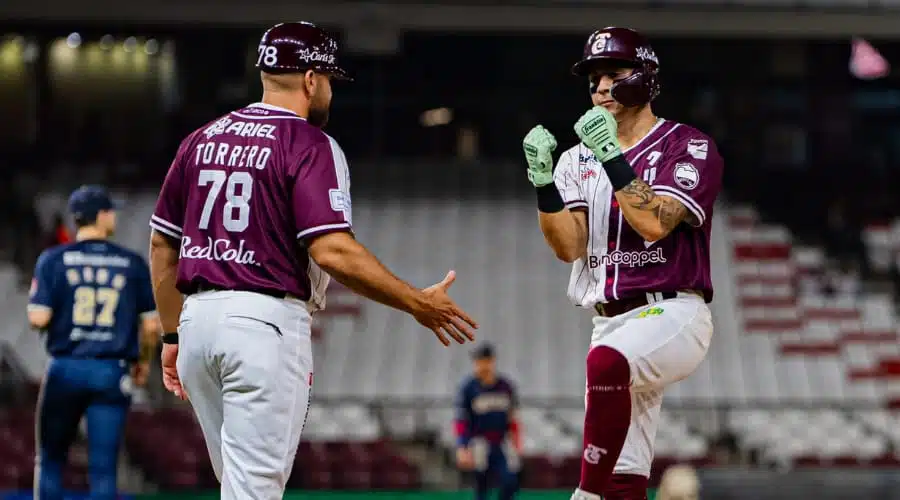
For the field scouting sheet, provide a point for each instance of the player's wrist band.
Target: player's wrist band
(548, 199)
(619, 172)
(170, 338)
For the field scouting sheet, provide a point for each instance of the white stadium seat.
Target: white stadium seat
(778, 339)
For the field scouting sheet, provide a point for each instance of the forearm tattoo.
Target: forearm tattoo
(668, 211)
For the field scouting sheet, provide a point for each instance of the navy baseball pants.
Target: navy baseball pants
(72, 388)
(500, 470)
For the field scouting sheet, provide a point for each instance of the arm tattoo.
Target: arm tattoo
(668, 211)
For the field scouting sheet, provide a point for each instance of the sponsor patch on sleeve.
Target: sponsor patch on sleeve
(339, 201)
(698, 148)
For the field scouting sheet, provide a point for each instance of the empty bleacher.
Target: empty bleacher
(797, 375)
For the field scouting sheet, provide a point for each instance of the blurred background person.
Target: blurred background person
(679, 482)
(487, 428)
(93, 300)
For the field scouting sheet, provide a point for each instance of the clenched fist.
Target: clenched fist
(598, 130)
(539, 145)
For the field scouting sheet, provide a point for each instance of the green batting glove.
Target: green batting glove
(539, 145)
(597, 129)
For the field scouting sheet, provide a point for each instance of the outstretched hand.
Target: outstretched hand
(442, 316)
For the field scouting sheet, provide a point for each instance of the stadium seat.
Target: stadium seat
(780, 339)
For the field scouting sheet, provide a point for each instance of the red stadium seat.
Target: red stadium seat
(185, 480)
(401, 478)
(354, 476)
(169, 447)
(317, 479)
(10, 476)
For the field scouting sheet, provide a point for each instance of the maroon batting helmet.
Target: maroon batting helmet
(298, 47)
(626, 46)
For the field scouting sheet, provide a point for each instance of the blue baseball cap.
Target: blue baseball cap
(86, 201)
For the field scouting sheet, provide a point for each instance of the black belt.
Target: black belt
(278, 294)
(622, 306)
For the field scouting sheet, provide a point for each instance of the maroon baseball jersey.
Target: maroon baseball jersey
(240, 194)
(676, 160)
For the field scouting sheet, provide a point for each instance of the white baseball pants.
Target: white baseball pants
(664, 342)
(245, 362)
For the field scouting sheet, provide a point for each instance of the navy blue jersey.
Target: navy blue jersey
(485, 411)
(97, 293)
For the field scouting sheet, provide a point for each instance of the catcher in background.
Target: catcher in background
(630, 207)
(487, 427)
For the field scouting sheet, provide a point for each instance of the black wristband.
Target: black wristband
(619, 172)
(170, 338)
(549, 200)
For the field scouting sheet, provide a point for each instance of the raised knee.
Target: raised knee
(607, 370)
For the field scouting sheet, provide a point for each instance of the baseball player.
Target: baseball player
(631, 208)
(93, 298)
(488, 434)
(252, 219)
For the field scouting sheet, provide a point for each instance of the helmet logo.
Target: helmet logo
(646, 54)
(599, 44)
(314, 56)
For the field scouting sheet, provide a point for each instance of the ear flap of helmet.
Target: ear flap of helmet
(640, 88)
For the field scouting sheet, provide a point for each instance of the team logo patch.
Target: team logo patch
(698, 148)
(686, 175)
(593, 454)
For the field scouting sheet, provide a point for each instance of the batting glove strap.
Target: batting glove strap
(170, 338)
(548, 199)
(619, 172)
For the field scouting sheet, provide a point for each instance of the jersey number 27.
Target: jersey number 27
(93, 292)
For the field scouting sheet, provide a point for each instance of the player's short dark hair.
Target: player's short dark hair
(485, 351)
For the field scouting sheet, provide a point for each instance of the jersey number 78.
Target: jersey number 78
(236, 212)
